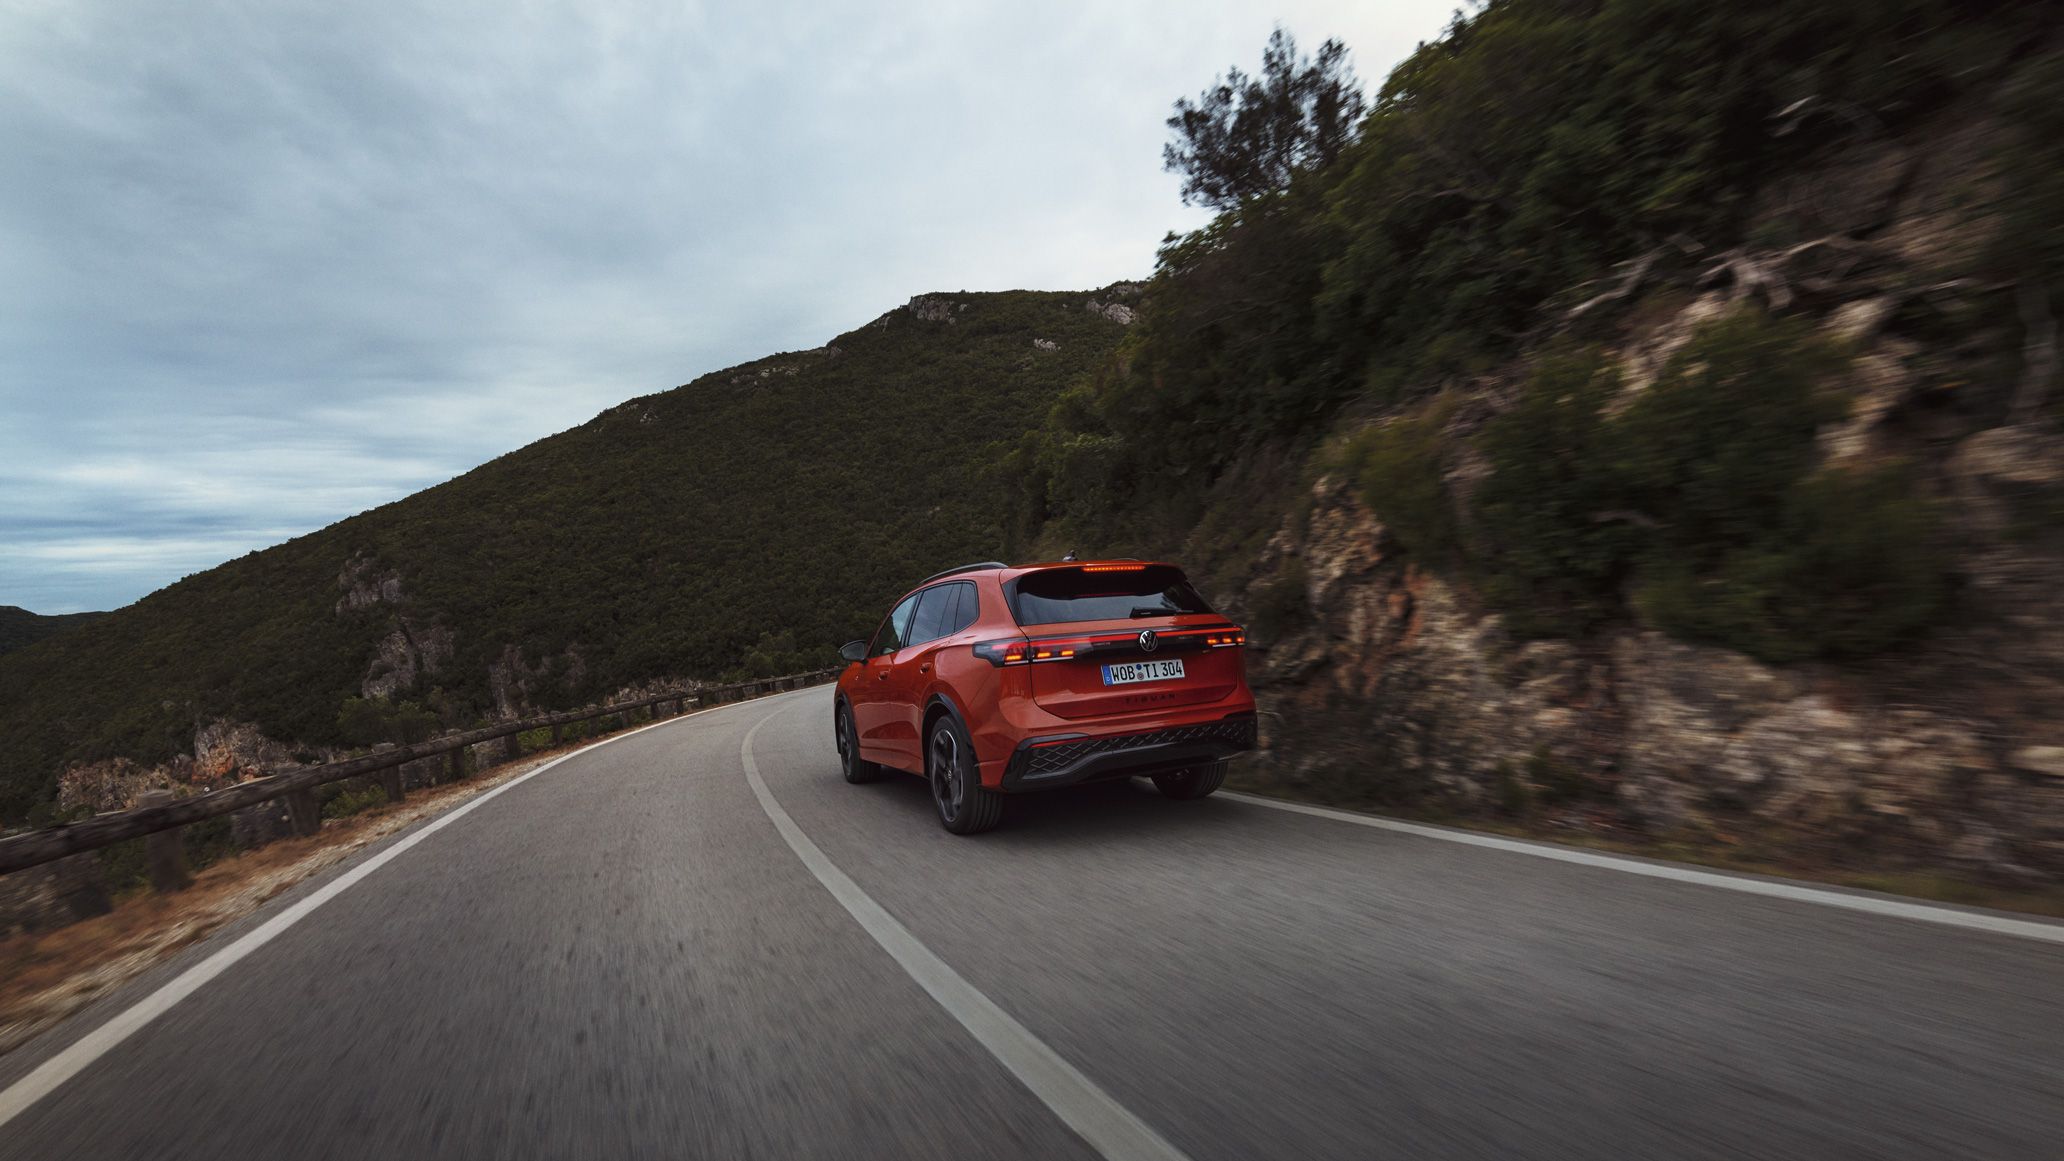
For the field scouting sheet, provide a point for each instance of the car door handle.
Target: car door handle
(925, 668)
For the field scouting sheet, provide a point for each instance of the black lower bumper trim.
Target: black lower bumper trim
(1041, 763)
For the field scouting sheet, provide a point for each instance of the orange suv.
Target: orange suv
(990, 680)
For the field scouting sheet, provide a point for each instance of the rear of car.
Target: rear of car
(1046, 676)
(1115, 668)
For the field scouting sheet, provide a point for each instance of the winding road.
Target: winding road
(696, 941)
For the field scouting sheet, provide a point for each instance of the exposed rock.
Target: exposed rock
(404, 655)
(931, 308)
(769, 372)
(113, 783)
(2047, 761)
(1989, 466)
(1853, 322)
(2008, 487)
(511, 679)
(1984, 852)
(366, 585)
(1642, 360)
(1422, 698)
(226, 752)
(1684, 702)
(1046, 344)
(1883, 382)
(1117, 312)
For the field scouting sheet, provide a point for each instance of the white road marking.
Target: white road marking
(1869, 904)
(46, 1077)
(1099, 1119)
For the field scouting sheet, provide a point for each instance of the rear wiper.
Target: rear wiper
(1140, 611)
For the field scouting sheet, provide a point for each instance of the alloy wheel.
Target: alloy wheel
(948, 788)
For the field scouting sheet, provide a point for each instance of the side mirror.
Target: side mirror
(853, 651)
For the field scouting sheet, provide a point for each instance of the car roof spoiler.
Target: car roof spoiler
(982, 567)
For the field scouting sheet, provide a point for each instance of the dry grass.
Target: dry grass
(47, 976)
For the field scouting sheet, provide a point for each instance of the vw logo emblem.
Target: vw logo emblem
(1147, 641)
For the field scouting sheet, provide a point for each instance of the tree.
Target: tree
(1249, 135)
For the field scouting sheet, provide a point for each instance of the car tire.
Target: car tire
(1195, 782)
(851, 764)
(965, 806)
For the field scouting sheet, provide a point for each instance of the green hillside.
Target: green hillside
(19, 627)
(1523, 193)
(753, 518)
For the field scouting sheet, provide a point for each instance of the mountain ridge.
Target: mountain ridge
(20, 627)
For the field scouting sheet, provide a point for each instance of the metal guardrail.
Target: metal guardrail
(298, 786)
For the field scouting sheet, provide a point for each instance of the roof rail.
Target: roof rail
(985, 565)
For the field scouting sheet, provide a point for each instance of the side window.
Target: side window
(967, 610)
(934, 613)
(894, 631)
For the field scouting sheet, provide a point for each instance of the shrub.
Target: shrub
(367, 721)
(1714, 446)
(1398, 469)
(1553, 512)
(1702, 489)
(1852, 568)
(347, 802)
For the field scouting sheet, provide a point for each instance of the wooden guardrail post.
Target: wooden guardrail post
(512, 747)
(164, 852)
(304, 812)
(458, 763)
(390, 784)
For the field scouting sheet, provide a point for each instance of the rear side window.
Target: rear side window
(934, 608)
(940, 612)
(896, 630)
(1059, 595)
(969, 608)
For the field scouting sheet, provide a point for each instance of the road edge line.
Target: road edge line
(1107, 1126)
(1988, 922)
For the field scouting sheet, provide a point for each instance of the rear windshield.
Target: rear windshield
(1057, 595)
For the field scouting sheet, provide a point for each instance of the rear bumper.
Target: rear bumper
(1066, 759)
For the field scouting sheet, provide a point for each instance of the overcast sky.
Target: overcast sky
(265, 265)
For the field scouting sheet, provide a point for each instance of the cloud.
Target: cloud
(264, 265)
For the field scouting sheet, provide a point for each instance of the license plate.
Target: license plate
(1127, 672)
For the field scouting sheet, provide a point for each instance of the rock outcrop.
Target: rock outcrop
(1398, 691)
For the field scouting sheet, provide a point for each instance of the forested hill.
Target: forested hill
(753, 518)
(19, 627)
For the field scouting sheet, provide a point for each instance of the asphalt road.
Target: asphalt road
(627, 956)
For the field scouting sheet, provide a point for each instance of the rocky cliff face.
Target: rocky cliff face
(1399, 692)
(1950, 752)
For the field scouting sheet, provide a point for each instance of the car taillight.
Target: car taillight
(1221, 640)
(1018, 651)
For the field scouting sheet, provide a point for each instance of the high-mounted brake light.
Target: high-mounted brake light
(1113, 567)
